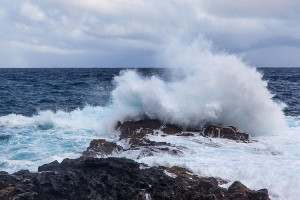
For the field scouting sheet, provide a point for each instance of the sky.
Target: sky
(131, 33)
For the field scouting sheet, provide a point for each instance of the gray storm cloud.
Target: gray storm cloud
(102, 33)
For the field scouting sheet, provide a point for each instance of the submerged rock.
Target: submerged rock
(115, 178)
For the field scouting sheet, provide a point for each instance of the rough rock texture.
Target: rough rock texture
(229, 132)
(136, 130)
(135, 133)
(101, 148)
(238, 191)
(115, 178)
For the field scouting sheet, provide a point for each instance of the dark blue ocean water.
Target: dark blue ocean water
(285, 84)
(27, 91)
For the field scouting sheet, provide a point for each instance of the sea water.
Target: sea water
(51, 114)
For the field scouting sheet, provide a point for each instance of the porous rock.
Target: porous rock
(101, 148)
(229, 132)
(111, 179)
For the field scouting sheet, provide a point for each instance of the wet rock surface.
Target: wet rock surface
(115, 178)
(135, 134)
(139, 129)
(101, 148)
(229, 132)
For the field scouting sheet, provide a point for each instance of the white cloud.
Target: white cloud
(32, 12)
(120, 27)
(3, 13)
(43, 48)
(253, 9)
(111, 8)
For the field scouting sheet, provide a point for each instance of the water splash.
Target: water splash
(214, 88)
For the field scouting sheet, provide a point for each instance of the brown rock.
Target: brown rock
(237, 191)
(171, 129)
(180, 171)
(137, 129)
(185, 134)
(229, 132)
(101, 148)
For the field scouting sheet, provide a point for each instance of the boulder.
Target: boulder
(239, 191)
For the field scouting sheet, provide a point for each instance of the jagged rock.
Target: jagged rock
(101, 148)
(229, 132)
(135, 133)
(137, 129)
(179, 171)
(171, 129)
(114, 178)
(238, 191)
(186, 134)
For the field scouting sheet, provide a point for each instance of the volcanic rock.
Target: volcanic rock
(137, 130)
(101, 148)
(88, 178)
(238, 191)
(136, 133)
(229, 132)
(171, 129)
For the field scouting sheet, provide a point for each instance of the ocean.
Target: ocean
(51, 114)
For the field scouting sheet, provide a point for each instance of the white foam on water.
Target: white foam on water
(29, 142)
(89, 118)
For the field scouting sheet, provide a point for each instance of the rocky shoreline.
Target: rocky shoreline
(96, 175)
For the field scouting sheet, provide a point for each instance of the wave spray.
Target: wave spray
(213, 88)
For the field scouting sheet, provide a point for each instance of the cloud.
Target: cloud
(122, 27)
(43, 48)
(32, 12)
(3, 13)
(272, 9)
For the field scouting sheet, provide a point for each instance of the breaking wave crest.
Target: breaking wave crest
(213, 88)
